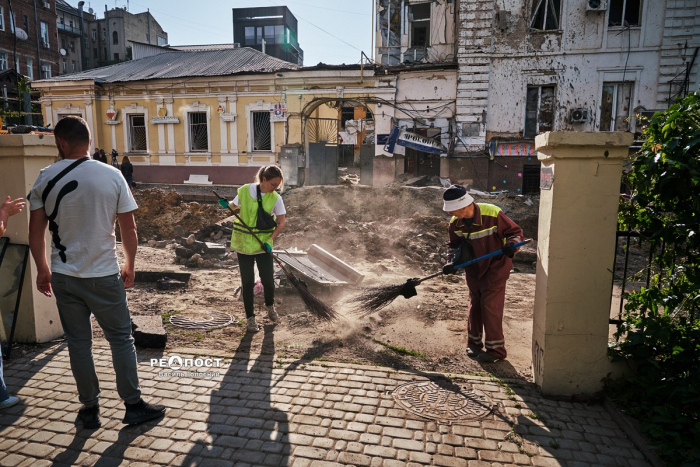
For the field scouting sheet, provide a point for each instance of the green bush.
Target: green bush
(660, 333)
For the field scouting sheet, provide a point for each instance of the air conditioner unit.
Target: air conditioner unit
(47, 5)
(596, 5)
(578, 116)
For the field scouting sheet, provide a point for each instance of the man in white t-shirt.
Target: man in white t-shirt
(79, 200)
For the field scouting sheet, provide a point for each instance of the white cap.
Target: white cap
(456, 198)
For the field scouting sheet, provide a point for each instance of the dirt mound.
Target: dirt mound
(160, 212)
(405, 223)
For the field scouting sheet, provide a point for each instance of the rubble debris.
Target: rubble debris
(148, 332)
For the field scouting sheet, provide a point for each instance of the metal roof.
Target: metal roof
(182, 64)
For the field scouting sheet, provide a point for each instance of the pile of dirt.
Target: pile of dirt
(160, 213)
(405, 223)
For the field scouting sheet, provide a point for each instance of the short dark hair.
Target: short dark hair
(73, 129)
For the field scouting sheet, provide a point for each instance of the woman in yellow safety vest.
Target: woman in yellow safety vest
(252, 198)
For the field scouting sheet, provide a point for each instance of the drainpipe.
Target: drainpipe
(83, 42)
(38, 39)
(108, 40)
(148, 26)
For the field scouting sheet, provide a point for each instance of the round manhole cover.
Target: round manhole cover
(458, 402)
(204, 320)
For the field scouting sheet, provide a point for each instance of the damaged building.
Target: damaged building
(524, 67)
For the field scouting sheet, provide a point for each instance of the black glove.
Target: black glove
(409, 289)
(449, 268)
(509, 250)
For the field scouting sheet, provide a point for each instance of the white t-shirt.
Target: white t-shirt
(82, 208)
(277, 210)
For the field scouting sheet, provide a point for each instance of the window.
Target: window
(2, 18)
(545, 15)
(63, 42)
(137, 133)
(94, 34)
(45, 71)
(199, 138)
(269, 34)
(116, 56)
(419, 16)
(3, 61)
(539, 110)
(249, 35)
(115, 38)
(73, 66)
(104, 35)
(87, 63)
(162, 40)
(30, 68)
(64, 65)
(26, 24)
(259, 35)
(44, 27)
(261, 131)
(72, 46)
(615, 109)
(625, 13)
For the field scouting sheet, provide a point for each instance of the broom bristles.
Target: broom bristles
(313, 304)
(375, 298)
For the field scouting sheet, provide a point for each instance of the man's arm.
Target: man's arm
(130, 242)
(38, 221)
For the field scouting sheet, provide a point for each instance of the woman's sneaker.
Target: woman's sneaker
(272, 313)
(252, 324)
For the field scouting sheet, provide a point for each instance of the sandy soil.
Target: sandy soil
(389, 235)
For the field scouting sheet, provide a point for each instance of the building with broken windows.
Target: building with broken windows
(525, 67)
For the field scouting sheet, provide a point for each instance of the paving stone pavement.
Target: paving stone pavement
(261, 410)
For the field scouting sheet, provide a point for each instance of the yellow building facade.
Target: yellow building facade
(222, 127)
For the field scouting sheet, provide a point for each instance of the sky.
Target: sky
(330, 31)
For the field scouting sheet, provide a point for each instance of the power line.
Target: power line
(320, 29)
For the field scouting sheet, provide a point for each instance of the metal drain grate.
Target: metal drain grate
(457, 403)
(206, 320)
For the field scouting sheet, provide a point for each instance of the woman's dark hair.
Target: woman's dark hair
(269, 171)
(125, 159)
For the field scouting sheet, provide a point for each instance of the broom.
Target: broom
(313, 304)
(376, 298)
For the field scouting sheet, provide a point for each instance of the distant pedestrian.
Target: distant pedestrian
(68, 196)
(127, 170)
(115, 158)
(8, 208)
(96, 154)
(103, 156)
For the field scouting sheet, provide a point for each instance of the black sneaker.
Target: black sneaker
(488, 357)
(473, 352)
(89, 417)
(142, 412)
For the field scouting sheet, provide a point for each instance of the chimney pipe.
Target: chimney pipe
(83, 41)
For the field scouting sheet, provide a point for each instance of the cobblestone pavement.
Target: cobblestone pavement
(261, 410)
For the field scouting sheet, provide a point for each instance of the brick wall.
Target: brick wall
(473, 56)
(32, 48)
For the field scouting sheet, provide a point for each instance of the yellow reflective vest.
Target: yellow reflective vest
(241, 239)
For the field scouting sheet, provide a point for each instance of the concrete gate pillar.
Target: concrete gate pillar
(580, 191)
(21, 159)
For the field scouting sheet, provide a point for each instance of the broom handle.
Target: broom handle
(262, 245)
(475, 260)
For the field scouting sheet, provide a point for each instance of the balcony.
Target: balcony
(69, 29)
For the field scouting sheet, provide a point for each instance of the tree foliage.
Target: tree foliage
(660, 334)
